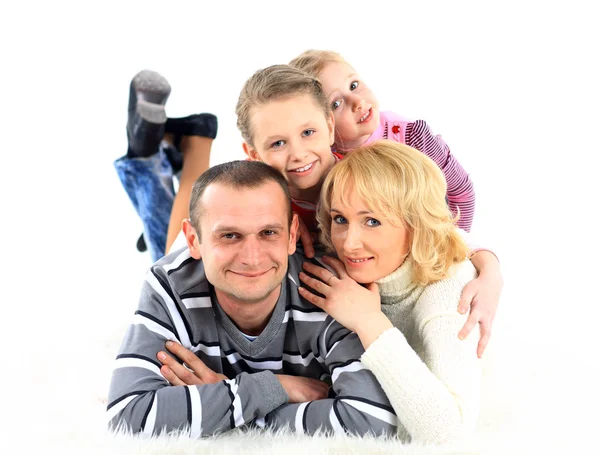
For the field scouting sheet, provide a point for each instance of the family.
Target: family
(325, 283)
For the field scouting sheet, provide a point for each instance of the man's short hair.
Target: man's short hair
(236, 174)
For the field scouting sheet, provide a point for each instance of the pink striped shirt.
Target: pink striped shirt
(417, 134)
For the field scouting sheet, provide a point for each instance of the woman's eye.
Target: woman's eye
(306, 133)
(335, 104)
(339, 219)
(277, 144)
(373, 222)
(354, 85)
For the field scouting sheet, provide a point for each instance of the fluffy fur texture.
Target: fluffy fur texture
(521, 410)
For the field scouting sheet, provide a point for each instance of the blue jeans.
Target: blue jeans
(149, 185)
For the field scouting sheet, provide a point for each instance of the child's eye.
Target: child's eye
(354, 85)
(277, 144)
(335, 104)
(372, 222)
(306, 133)
(339, 219)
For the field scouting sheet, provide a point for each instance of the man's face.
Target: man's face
(246, 240)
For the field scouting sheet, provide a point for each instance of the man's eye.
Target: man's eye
(306, 133)
(269, 233)
(354, 85)
(277, 144)
(373, 222)
(230, 236)
(339, 219)
(335, 104)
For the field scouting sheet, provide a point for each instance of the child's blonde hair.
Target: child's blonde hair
(313, 61)
(272, 83)
(409, 189)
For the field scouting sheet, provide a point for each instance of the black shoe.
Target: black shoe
(204, 125)
(141, 244)
(148, 94)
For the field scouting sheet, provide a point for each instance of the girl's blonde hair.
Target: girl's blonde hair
(407, 188)
(272, 83)
(313, 61)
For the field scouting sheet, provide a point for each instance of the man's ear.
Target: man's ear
(250, 152)
(192, 239)
(293, 235)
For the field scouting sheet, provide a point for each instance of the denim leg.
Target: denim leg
(149, 185)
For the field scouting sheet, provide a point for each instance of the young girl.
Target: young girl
(358, 121)
(286, 121)
(383, 212)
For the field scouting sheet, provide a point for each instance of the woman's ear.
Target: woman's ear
(250, 152)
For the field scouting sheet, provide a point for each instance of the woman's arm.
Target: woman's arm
(436, 397)
(435, 394)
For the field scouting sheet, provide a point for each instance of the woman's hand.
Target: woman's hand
(355, 307)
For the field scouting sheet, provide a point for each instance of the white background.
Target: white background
(511, 86)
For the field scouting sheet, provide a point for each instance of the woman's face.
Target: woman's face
(368, 244)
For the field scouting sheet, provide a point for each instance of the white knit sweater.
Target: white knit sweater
(431, 378)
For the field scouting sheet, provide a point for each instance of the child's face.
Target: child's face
(294, 136)
(355, 108)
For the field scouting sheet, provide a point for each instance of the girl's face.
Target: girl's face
(293, 135)
(368, 244)
(354, 105)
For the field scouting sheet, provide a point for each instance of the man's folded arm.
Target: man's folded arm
(360, 405)
(142, 400)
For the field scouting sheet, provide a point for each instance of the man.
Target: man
(231, 298)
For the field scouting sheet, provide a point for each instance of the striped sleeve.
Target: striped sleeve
(142, 401)
(461, 194)
(359, 406)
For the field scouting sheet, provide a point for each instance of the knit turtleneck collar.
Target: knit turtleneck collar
(396, 283)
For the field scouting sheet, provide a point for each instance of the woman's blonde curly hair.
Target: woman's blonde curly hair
(407, 188)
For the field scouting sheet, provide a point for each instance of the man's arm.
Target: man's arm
(360, 405)
(141, 400)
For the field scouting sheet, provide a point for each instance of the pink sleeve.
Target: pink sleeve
(461, 194)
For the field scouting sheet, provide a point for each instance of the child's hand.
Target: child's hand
(306, 239)
(482, 295)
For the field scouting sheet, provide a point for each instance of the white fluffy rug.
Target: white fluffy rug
(537, 395)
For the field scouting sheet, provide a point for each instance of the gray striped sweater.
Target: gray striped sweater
(178, 303)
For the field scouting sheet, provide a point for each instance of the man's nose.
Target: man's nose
(251, 251)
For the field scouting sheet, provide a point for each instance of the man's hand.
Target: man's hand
(193, 372)
(301, 389)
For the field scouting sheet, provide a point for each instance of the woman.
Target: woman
(398, 279)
